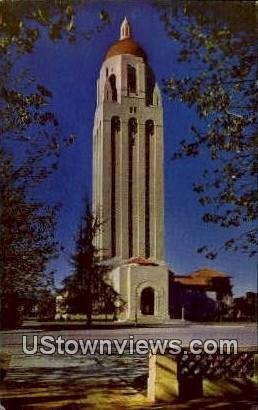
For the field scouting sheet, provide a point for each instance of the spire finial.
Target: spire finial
(125, 29)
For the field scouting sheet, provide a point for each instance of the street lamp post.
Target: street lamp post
(183, 313)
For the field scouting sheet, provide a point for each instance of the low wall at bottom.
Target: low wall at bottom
(188, 376)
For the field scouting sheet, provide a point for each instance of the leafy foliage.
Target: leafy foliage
(30, 145)
(27, 243)
(217, 45)
(29, 151)
(22, 24)
(87, 288)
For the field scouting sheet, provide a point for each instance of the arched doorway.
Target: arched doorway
(147, 301)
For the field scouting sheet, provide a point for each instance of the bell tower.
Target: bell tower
(128, 178)
(128, 154)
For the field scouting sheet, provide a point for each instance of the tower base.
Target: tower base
(143, 292)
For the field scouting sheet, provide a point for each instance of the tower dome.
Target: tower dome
(126, 44)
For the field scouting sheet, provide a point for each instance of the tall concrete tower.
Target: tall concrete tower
(128, 154)
(128, 180)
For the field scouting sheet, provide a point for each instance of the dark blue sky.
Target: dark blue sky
(70, 72)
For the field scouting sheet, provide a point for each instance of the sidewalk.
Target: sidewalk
(75, 324)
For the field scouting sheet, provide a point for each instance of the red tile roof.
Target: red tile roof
(201, 277)
(140, 260)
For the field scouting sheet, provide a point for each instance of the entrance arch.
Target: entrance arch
(147, 301)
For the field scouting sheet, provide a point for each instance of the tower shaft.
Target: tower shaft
(128, 155)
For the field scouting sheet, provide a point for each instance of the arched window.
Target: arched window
(150, 84)
(132, 132)
(147, 301)
(112, 82)
(149, 131)
(115, 129)
(131, 79)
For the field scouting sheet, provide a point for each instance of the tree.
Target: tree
(27, 229)
(30, 145)
(28, 155)
(87, 287)
(217, 48)
(22, 23)
(29, 149)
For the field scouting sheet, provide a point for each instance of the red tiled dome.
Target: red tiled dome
(126, 46)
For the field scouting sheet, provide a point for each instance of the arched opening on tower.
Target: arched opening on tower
(131, 79)
(149, 85)
(132, 132)
(149, 131)
(147, 301)
(115, 129)
(112, 82)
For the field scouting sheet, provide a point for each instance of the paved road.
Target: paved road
(74, 373)
(245, 334)
(88, 365)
